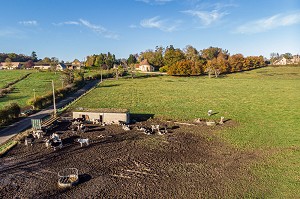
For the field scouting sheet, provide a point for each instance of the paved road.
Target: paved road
(25, 123)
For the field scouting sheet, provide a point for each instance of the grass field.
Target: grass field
(264, 102)
(40, 81)
(7, 76)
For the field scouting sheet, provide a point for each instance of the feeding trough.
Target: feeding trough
(68, 178)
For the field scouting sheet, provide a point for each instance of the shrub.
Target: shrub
(9, 112)
(164, 69)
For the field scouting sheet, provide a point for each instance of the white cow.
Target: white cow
(83, 141)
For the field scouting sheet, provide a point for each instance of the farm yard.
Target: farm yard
(186, 162)
(255, 154)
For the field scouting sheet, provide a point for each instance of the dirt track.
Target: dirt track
(187, 162)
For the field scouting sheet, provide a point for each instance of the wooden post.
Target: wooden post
(54, 105)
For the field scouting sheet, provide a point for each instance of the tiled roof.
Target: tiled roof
(144, 62)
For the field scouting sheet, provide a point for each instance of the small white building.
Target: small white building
(107, 116)
(42, 67)
(59, 67)
(145, 66)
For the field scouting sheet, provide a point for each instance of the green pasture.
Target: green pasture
(264, 103)
(7, 76)
(24, 90)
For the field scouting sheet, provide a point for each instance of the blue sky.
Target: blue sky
(69, 29)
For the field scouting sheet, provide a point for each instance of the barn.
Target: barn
(107, 116)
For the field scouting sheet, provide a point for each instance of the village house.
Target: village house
(145, 66)
(76, 64)
(10, 66)
(284, 61)
(61, 67)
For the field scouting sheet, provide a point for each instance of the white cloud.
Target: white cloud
(265, 24)
(164, 25)
(95, 28)
(71, 22)
(67, 23)
(99, 29)
(28, 23)
(209, 13)
(207, 17)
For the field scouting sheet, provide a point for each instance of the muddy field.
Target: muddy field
(187, 162)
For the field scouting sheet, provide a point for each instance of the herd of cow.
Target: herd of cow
(54, 141)
(78, 126)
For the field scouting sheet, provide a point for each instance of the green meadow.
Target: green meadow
(40, 82)
(7, 76)
(263, 102)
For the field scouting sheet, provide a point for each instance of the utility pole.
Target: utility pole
(101, 74)
(34, 99)
(34, 95)
(54, 106)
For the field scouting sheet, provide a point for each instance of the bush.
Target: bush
(105, 75)
(164, 69)
(9, 113)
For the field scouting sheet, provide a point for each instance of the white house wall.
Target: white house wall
(107, 117)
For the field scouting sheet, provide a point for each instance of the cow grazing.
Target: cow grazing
(83, 141)
(29, 140)
(54, 143)
(126, 128)
(37, 134)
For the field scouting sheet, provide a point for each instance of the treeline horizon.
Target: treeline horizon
(174, 61)
(190, 61)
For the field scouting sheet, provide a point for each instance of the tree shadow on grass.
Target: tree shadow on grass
(143, 76)
(7, 98)
(214, 113)
(111, 85)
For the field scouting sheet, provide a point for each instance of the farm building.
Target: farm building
(58, 67)
(42, 67)
(104, 115)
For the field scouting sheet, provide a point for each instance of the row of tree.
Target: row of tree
(18, 57)
(105, 61)
(190, 61)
